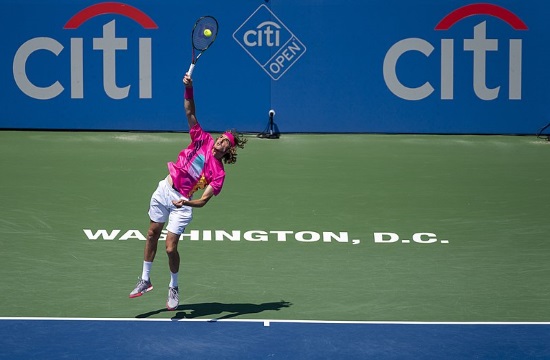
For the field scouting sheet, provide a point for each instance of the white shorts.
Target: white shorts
(161, 209)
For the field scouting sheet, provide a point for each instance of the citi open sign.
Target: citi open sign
(269, 42)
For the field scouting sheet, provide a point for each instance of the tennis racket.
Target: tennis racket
(202, 37)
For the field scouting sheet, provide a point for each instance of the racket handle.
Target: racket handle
(190, 71)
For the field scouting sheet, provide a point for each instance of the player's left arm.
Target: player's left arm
(206, 196)
(189, 102)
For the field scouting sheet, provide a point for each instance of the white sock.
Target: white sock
(173, 279)
(146, 270)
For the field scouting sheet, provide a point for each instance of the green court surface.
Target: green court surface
(307, 227)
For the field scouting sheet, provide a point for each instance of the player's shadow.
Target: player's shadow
(191, 311)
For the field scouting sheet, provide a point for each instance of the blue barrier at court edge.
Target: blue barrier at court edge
(337, 66)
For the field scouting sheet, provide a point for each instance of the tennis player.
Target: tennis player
(199, 166)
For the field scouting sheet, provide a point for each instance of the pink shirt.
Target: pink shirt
(196, 167)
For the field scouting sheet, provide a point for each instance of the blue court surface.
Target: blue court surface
(49, 338)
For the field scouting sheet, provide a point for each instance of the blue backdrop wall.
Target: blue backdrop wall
(392, 66)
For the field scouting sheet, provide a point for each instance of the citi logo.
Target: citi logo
(266, 34)
(108, 44)
(479, 46)
(269, 42)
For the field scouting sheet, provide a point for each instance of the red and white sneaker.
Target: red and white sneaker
(141, 288)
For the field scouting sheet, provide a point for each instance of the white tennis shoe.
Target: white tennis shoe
(173, 298)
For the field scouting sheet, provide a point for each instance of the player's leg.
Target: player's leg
(174, 263)
(172, 252)
(151, 244)
(178, 221)
(158, 213)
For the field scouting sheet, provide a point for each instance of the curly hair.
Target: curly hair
(240, 141)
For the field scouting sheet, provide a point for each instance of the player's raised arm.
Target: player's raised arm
(188, 101)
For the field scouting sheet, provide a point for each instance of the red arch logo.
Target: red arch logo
(111, 8)
(481, 9)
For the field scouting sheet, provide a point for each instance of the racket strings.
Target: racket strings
(200, 41)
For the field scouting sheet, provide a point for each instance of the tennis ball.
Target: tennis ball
(207, 32)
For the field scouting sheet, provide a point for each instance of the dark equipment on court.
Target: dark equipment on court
(272, 130)
(540, 134)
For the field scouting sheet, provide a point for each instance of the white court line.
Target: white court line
(267, 322)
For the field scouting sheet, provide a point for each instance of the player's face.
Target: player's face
(222, 144)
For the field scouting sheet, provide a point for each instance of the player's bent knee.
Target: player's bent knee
(153, 234)
(171, 249)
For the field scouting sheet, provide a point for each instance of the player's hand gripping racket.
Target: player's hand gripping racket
(202, 37)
